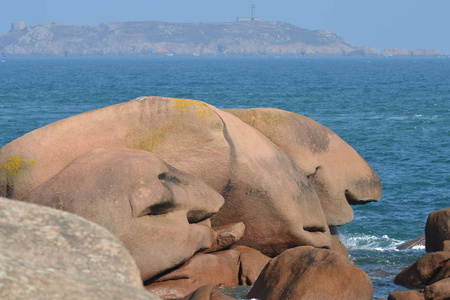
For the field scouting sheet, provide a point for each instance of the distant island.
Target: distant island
(243, 38)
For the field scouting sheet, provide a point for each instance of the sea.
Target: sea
(394, 111)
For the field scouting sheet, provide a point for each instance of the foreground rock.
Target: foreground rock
(310, 273)
(338, 173)
(50, 254)
(262, 186)
(239, 265)
(159, 213)
(437, 230)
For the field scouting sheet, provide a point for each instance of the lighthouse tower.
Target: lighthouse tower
(253, 17)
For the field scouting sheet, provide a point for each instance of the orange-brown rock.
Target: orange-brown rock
(311, 273)
(428, 269)
(51, 254)
(406, 295)
(238, 266)
(437, 230)
(338, 173)
(261, 184)
(159, 213)
(439, 290)
(207, 292)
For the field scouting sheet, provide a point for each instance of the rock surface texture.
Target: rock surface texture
(311, 273)
(51, 254)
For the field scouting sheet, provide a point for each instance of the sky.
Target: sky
(411, 24)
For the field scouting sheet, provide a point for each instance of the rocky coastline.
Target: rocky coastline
(164, 39)
(171, 198)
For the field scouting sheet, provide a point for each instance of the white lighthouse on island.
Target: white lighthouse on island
(252, 18)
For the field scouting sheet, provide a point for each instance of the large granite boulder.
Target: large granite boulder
(239, 265)
(262, 185)
(338, 173)
(159, 213)
(51, 254)
(437, 230)
(311, 273)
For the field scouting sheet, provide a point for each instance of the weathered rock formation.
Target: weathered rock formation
(184, 185)
(156, 39)
(340, 176)
(311, 273)
(51, 254)
(262, 185)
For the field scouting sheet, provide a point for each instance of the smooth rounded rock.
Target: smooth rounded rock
(159, 213)
(338, 173)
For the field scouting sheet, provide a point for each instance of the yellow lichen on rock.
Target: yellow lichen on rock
(147, 140)
(185, 105)
(11, 173)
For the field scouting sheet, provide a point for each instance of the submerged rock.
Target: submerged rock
(418, 241)
(51, 254)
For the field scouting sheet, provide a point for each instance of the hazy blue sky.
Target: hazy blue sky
(383, 23)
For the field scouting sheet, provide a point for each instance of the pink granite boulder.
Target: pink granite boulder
(338, 173)
(159, 213)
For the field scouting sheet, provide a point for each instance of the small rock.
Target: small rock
(406, 295)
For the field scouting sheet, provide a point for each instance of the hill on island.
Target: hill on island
(159, 39)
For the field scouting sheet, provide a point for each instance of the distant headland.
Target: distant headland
(246, 37)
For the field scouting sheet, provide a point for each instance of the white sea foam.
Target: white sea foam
(370, 242)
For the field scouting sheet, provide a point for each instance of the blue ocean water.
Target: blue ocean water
(394, 112)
